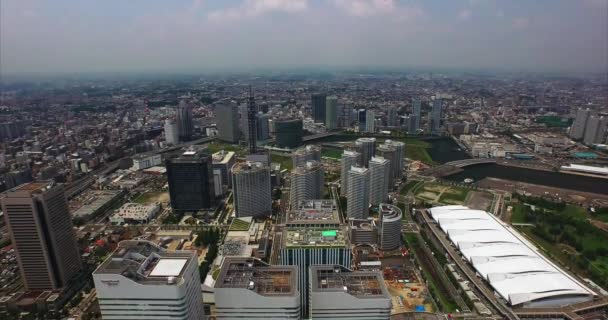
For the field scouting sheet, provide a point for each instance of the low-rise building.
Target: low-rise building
(135, 213)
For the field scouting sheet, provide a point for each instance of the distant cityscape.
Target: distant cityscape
(346, 195)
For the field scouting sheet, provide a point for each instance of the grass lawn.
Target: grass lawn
(285, 161)
(331, 153)
(575, 211)
(454, 194)
(218, 146)
(519, 213)
(408, 186)
(419, 153)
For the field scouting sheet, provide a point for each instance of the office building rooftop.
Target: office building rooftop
(314, 211)
(253, 274)
(317, 237)
(334, 278)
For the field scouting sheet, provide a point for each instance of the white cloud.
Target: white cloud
(521, 23)
(252, 8)
(464, 14)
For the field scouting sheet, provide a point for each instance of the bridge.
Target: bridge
(319, 136)
(469, 162)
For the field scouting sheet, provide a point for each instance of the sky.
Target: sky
(48, 36)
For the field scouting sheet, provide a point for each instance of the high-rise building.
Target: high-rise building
(361, 119)
(227, 121)
(370, 121)
(318, 101)
(248, 288)
(307, 182)
(289, 133)
(141, 280)
(171, 133)
(331, 113)
(389, 227)
(379, 172)
(12, 130)
(349, 159)
(358, 193)
(185, 125)
(337, 292)
(223, 161)
(252, 125)
(190, 178)
(251, 189)
(395, 152)
(367, 148)
(436, 116)
(416, 107)
(392, 119)
(595, 132)
(307, 153)
(412, 120)
(263, 126)
(38, 216)
(345, 115)
(313, 235)
(577, 131)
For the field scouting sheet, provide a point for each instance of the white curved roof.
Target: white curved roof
(512, 266)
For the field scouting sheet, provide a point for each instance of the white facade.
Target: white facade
(217, 182)
(358, 193)
(507, 261)
(370, 121)
(380, 172)
(171, 132)
(143, 281)
(349, 159)
(577, 131)
(595, 132)
(135, 213)
(252, 189)
(390, 227)
(307, 153)
(367, 148)
(307, 182)
(146, 161)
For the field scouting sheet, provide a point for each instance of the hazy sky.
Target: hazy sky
(198, 35)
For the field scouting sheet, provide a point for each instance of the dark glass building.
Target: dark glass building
(289, 133)
(318, 106)
(190, 178)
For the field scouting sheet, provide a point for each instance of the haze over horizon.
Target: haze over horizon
(151, 35)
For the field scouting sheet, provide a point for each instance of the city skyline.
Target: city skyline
(198, 36)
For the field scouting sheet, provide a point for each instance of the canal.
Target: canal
(446, 150)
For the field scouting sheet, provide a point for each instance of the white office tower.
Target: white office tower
(389, 227)
(227, 121)
(595, 132)
(395, 152)
(248, 288)
(370, 121)
(252, 190)
(367, 148)
(349, 159)
(416, 113)
(307, 153)
(436, 116)
(307, 182)
(141, 280)
(340, 293)
(379, 171)
(171, 136)
(331, 113)
(577, 131)
(358, 193)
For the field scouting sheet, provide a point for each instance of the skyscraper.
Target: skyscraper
(416, 112)
(252, 124)
(190, 178)
(263, 126)
(392, 119)
(436, 116)
(361, 119)
(304, 154)
(42, 234)
(370, 121)
(318, 107)
(389, 227)
(397, 157)
(171, 134)
(141, 280)
(349, 159)
(307, 182)
(380, 172)
(358, 193)
(251, 189)
(331, 113)
(595, 132)
(227, 121)
(185, 126)
(577, 131)
(289, 133)
(367, 148)
(411, 124)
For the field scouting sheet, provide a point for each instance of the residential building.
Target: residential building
(331, 113)
(304, 154)
(436, 113)
(171, 133)
(349, 159)
(379, 172)
(358, 193)
(370, 121)
(223, 161)
(251, 189)
(141, 280)
(577, 131)
(367, 148)
(389, 226)
(595, 131)
(38, 216)
(394, 151)
(416, 107)
(307, 182)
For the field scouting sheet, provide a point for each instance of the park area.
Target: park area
(152, 197)
(437, 193)
(566, 233)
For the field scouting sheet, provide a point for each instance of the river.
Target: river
(445, 150)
